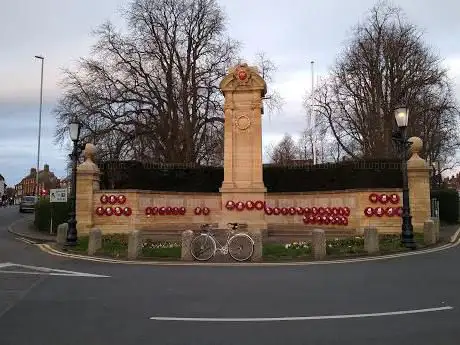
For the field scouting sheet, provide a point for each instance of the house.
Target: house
(2, 186)
(65, 183)
(17, 193)
(452, 182)
(46, 179)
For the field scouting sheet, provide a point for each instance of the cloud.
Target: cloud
(19, 128)
(292, 35)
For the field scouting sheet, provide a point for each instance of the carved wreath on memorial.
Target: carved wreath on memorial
(243, 122)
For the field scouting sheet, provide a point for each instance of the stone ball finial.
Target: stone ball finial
(90, 152)
(417, 145)
(88, 165)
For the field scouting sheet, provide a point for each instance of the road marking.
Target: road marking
(6, 264)
(22, 239)
(454, 236)
(38, 270)
(301, 318)
(48, 249)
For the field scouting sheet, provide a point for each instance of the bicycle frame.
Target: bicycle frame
(222, 248)
(225, 247)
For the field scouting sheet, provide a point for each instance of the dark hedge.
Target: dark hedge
(295, 178)
(448, 204)
(43, 214)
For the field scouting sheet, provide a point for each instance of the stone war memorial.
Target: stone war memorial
(243, 196)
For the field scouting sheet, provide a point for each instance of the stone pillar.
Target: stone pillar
(186, 254)
(318, 244)
(243, 89)
(371, 240)
(257, 237)
(134, 244)
(429, 233)
(419, 186)
(436, 226)
(61, 235)
(95, 241)
(87, 182)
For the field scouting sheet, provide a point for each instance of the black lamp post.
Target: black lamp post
(74, 129)
(407, 231)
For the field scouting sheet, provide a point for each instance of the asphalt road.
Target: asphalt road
(38, 308)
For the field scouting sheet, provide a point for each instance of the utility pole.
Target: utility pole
(37, 185)
(312, 114)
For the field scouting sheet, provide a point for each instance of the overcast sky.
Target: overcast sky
(291, 32)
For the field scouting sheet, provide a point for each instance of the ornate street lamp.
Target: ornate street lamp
(407, 231)
(74, 129)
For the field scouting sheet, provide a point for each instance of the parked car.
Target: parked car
(27, 203)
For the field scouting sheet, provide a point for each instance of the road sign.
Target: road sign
(58, 195)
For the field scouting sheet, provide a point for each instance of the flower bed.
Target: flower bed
(335, 248)
(116, 246)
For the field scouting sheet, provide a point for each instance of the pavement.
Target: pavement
(46, 299)
(23, 228)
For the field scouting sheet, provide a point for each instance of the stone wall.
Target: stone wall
(138, 201)
(89, 200)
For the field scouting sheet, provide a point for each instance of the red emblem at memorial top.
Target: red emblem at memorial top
(242, 74)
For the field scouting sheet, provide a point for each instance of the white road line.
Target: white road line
(41, 273)
(301, 318)
(454, 236)
(6, 264)
(49, 271)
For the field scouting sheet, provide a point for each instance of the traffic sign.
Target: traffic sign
(58, 195)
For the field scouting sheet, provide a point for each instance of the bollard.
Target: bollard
(186, 253)
(134, 244)
(95, 241)
(318, 244)
(257, 237)
(429, 232)
(436, 227)
(61, 233)
(371, 240)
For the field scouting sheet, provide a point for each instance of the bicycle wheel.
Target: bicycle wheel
(240, 247)
(203, 247)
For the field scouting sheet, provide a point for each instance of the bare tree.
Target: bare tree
(285, 152)
(152, 93)
(387, 65)
(273, 99)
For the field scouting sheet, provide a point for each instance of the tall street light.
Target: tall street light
(407, 231)
(36, 191)
(74, 129)
(313, 114)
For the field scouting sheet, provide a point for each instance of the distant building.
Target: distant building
(17, 193)
(65, 183)
(2, 186)
(452, 182)
(46, 179)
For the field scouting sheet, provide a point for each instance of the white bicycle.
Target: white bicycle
(239, 245)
